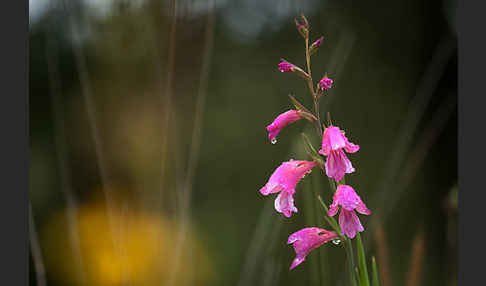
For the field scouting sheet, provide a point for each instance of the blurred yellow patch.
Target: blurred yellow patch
(139, 248)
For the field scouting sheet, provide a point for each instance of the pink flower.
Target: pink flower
(284, 180)
(347, 198)
(284, 66)
(280, 122)
(306, 240)
(333, 143)
(325, 83)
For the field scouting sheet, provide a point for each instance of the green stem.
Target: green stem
(316, 110)
(311, 86)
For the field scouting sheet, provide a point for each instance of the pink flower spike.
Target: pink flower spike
(284, 66)
(284, 180)
(346, 197)
(306, 240)
(333, 143)
(280, 122)
(325, 83)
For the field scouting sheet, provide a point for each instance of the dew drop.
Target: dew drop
(336, 241)
(274, 141)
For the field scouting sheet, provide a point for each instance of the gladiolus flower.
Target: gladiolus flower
(346, 197)
(280, 122)
(284, 180)
(325, 83)
(333, 143)
(306, 240)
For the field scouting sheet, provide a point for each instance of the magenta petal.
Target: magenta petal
(325, 83)
(333, 139)
(284, 203)
(338, 164)
(346, 197)
(284, 180)
(284, 66)
(287, 175)
(333, 208)
(349, 223)
(350, 147)
(362, 209)
(270, 189)
(280, 122)
(296, 261)
(306, 240)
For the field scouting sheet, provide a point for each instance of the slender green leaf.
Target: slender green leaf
(362, 261)
(376, 280)
(356, 271)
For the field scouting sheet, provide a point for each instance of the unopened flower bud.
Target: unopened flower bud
(315, 46)
(325, 83)
(301, 28)
(285, 66)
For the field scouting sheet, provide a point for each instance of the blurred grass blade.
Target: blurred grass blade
(375, 281)
(362, 261)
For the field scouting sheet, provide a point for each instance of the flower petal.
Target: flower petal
(284, 203)
(338, 164)
(306, 240)
(362, 209)
(281, 121)
(350, 147)
(349, 223)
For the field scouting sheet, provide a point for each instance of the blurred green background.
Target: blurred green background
(148, 143)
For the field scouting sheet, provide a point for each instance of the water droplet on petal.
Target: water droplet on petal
(274, 141)
(336, 241)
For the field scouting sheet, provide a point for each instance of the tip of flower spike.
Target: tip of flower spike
(301, 28)
(304, 20)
